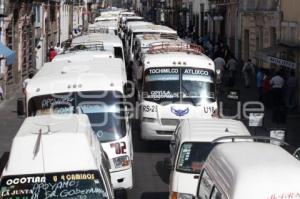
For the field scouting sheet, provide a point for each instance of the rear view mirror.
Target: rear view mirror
(20, 107)
(296, 154)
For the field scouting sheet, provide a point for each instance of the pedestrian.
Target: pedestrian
(266, 89)
(219, 66)
(248, 72)
(1, 93)
(58, 49)
(277, 83)
(278, 108)
(232, 67)
(52, 53)
(291, 85)
(25, 83)
(259, 83)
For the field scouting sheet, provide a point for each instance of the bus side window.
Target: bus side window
(118, 52)
(206, 186)
(216, 194)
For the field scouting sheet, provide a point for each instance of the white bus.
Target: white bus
(125, 36)
(108, 27)
(99, 41)
(141, 47)
(97, 89)
(178, 83)
(144, 29)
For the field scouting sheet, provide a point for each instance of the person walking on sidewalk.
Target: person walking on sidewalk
(232, 66)
(1, 93)
(248, 72)
(278, 108)
(259, 83)
(52, 53)
(219, 65)
(277, 83)
(291, 85)
(25, 83)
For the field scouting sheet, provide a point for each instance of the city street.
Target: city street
(150, 176)
(188, 60)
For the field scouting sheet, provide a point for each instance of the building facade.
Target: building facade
(260, 27)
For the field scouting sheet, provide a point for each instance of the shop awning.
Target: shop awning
(270, 55)
(8, 54)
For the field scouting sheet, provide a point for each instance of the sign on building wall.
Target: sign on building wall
(281, 62)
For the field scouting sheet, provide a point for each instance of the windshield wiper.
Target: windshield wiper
(187, 92)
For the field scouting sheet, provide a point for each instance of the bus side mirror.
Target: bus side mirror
(20, 107)
(296, 154)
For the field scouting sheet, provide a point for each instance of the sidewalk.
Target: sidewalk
(292, 125)
(9, 124)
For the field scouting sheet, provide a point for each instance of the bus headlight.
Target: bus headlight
(176, 195)
(184, 196)
(148, 119)
(122, 161)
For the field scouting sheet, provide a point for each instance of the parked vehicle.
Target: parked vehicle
(249, 170)
(190, 144)
(178, 83)
(46, 161)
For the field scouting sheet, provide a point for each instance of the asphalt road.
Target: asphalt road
(150, 177)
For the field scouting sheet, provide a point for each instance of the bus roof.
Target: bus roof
(107, 39)
(83, 55)
(178, 59)
(55, 151)
(266, 168)
(132, 24)
(68, 76)
(153, 28)
(147, 39)
(206, 130)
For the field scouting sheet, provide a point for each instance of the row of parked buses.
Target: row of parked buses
(77, 143)
(175, 88)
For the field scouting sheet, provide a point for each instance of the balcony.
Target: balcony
(258, 5)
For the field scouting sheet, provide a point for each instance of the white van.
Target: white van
(56, 156)
(97, 89)
(190, 144)
(249, 170)
(99, 41)
(178, 83)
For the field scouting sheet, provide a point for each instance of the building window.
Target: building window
(37, 12)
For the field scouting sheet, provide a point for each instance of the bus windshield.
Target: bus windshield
(104, 109)
(75, 185)
(187, 84)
